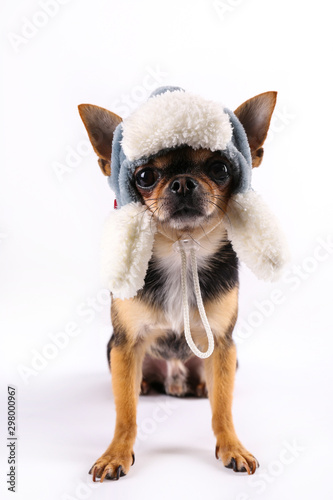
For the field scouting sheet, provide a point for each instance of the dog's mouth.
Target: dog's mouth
(186, 213)
(185, 216)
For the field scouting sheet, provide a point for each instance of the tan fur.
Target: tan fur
(144, 324)
(126, 364)
(220, 371)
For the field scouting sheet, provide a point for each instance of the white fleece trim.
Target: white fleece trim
(256, 236)
(127, 244)
(175, 119)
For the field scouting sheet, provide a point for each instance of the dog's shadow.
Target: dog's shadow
(195, 457)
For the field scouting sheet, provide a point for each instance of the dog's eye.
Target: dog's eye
(146, 177)
(219, 171)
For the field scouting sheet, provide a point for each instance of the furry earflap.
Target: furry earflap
(127, 244)
(256, 236)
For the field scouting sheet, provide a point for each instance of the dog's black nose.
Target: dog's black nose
(183, 185)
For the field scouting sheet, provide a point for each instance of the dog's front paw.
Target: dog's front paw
(236, 457)
(112, 465)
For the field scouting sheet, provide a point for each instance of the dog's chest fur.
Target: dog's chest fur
(217, 270)
(171, 290)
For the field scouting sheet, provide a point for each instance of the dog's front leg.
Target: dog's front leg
(126, 369)
(220, 373)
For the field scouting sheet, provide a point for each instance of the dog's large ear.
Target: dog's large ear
(255, 116)
(100, 124)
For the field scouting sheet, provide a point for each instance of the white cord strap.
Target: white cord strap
(183, 246)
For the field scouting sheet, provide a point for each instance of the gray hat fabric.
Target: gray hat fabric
(169, 117)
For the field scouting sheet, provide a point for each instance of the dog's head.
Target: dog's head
(183, 185)
(189, 162)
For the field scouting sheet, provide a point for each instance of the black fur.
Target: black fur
(109, 347)
(171, 346)
(118, 338)
(219, 275)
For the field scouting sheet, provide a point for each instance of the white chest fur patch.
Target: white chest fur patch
(172, 291)
(174, 119)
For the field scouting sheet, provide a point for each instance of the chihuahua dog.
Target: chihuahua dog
(186, 190)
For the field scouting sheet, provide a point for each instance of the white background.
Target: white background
(108, 53)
